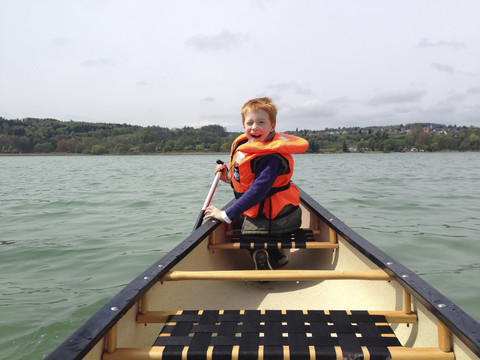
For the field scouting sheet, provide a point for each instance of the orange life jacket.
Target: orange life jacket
(242, 171)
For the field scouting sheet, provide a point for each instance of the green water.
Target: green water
(75, 230)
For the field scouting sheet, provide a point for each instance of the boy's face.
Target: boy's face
(257, 125)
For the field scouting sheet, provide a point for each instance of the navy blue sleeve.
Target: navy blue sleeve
(267, 170)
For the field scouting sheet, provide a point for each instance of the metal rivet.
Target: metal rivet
(404, 275)
(389, 263)
(146, 278)
(114, 308)
(441, 305)
(160, 266)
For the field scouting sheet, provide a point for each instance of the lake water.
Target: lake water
(75, 230)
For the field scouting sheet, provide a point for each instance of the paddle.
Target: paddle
(199, 221)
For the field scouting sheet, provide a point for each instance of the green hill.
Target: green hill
(52, 136)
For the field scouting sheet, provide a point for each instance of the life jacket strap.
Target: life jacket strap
(271, 192)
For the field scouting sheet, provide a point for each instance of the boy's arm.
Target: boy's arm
(267, 170)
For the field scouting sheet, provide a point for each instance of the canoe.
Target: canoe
(338, 297)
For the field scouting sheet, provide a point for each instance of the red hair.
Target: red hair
(266, 104)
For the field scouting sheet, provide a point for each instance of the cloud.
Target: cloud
(62, 40)
(450, 70)
(231, 120)
(312, 109)
(444, 68)
(453, 99)
(208, 99)
(406, 109)
(427, 43)
(474, 90)
(290, 86)
(315, 114)
(98, 62)
(340, 100)
(262, 4)
(224, 41)
(396, 97)
(441, 109)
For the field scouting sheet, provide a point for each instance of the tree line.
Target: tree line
(49, 136)
(42, 136)
(412, 137)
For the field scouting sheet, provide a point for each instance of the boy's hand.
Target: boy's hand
(222, 168)
(212, 212)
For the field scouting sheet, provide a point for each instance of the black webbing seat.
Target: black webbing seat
(300, 334)
(294, 240)
(300, 239)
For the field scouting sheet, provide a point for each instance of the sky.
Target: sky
(325, 63)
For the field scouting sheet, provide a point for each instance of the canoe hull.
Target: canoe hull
(137, 321)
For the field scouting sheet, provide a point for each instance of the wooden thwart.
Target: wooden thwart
(392, 317)
(397, 353)
(313, 232)
(300, 239)
(308, 245)
(277, 275)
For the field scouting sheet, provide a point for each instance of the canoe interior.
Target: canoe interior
(123, 320)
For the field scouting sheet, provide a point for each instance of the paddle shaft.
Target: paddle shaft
(199, 221)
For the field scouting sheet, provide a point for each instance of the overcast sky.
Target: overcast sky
(326, 63)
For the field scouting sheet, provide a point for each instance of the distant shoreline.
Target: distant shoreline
(148, 154)
(220, 153)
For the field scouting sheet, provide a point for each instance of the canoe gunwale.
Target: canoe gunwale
(77, 345)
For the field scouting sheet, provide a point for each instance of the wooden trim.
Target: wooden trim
(403, 353)
(332, 235)
(366, 353)
(314, 231)
(235, 352)
(143, 308)
(210, 353)
(154, 317)
(316, 223)
(444, 337)
(407, 302)
(398, 353)
(111, 339)
(153, 353)
(185, 352)
(398, 317)
(277, 275)
(212, 238)
(309, 245)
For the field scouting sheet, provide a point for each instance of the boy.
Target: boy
(260, 170)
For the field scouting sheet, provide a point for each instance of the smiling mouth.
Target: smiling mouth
(256, 136)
